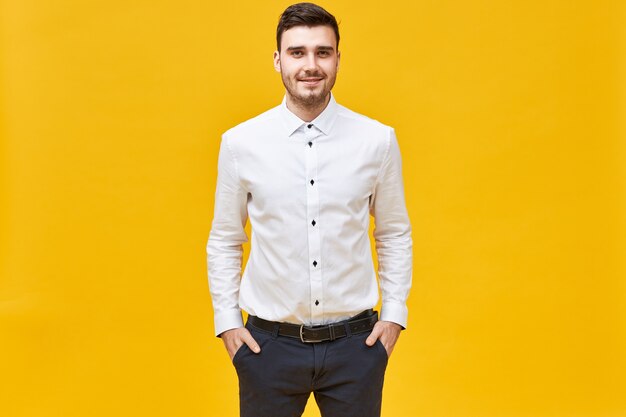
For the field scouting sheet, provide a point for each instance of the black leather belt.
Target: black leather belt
(360, 323)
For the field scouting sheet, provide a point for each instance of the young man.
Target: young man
(308, 174)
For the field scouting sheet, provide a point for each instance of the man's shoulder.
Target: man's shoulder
(254, 124)
(355, 119)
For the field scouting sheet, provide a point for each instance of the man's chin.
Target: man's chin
(311, 98)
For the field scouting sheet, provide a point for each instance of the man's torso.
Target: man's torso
(308, 201)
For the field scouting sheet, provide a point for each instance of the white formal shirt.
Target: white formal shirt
(308, 190)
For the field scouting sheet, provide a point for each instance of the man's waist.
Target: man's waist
(359, 323)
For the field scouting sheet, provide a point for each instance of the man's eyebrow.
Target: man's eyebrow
(324, 48)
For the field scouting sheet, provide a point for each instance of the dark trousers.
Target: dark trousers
(345, 376)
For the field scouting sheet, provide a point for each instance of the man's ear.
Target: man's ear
(277, 61)
(338, 59)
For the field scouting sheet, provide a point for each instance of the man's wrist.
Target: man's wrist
(227, 320)
(395, 313)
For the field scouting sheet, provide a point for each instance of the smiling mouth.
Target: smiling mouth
(310, 80)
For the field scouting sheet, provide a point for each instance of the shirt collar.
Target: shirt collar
(324, 121)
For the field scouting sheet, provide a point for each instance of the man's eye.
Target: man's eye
(324, 53)
(297, 53)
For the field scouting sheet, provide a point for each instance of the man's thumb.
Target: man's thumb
(371, 339)
(252, 344)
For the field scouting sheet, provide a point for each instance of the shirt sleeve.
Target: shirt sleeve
(224, 246)
(392, 233)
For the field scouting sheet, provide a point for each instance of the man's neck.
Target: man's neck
(306, 113)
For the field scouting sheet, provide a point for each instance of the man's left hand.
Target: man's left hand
(388, 333)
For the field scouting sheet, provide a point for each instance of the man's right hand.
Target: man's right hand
(234, 338)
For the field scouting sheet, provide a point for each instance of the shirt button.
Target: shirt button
(312, 182)
(313, 222)
(314, 263)
(310, 144)
(310, 125)
(317, 302)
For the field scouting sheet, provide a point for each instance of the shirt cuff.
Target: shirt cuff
(227, 320)
(394, 312)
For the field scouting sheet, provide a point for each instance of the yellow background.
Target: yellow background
(511, 121)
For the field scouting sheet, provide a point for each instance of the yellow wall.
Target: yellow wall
(511, 120)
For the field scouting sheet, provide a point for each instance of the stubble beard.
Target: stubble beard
(311, 99)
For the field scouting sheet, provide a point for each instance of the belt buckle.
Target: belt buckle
(307, 340)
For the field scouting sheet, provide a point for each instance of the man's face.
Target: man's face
(308, 63)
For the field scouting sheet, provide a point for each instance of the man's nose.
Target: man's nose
(311, 62)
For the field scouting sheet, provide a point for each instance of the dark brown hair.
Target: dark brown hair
(305, 14)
